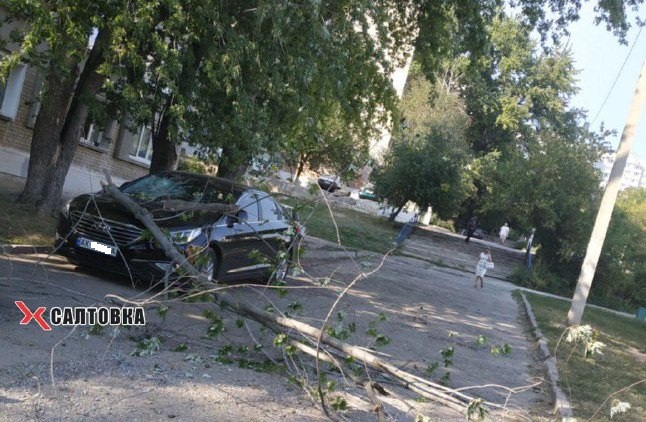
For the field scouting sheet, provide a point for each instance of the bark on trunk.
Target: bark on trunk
(58, 89)
(164, 153)
(231, 168)
(52, 155)
(301, 165)
(87, 87)
(395, 213)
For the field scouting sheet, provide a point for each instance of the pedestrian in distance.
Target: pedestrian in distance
(471, 227)
(504, 232)
(484, 263)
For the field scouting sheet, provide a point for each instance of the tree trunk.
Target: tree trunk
(58, 126)
(396, 212)
(235, 172)
(164, 153)
(299, 170)
(58, 89)
(230, 167)
(89, 83)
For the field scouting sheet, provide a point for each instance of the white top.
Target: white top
(481, 267)
(504, 231)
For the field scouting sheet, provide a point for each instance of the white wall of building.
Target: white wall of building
(79, 180)
(379, 146)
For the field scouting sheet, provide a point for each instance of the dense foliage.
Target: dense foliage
(538, 155)
(427, 161)
(306, 81)
(509, 147)
(620, 280)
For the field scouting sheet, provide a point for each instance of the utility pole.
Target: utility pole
(607, 203)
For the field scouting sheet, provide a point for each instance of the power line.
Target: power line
(617, 78)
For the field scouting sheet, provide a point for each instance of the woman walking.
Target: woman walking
(484, 263)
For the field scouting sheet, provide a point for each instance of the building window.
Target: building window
(93, 135)
(142, 147)
(10, 93)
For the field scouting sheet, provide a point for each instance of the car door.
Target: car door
(274, 227)
(242, 244)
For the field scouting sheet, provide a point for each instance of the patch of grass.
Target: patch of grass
(589, 381)
(22, 225)
(356, 229)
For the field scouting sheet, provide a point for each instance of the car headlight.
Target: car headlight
(184, 236)
(65, 209)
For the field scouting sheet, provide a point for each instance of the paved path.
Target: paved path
(443, 248)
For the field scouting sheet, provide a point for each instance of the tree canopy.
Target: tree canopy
(539, 156)
(243, 78)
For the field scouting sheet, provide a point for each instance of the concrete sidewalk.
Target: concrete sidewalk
(12, 185)
(442, 248)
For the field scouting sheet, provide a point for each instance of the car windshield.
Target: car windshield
(177, 186)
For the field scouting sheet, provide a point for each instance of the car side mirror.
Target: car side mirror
(240, 217)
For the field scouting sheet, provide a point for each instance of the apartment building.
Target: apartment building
(634, 174)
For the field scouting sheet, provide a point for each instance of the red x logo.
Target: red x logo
(38, 315)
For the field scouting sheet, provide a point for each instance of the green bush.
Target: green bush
(541, 278)
(437, 221)
(616, 289)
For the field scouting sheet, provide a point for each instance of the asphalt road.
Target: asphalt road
(419, 309)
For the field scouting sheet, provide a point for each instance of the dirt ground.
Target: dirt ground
(409, 312)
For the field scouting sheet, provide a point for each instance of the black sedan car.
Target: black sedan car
(257, 240)
(329, 182)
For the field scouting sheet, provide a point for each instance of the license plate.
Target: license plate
(96, 246)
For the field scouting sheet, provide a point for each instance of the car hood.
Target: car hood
(101, 204)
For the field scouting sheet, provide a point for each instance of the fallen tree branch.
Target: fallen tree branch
(405, 379)
(448, 397)
(146, 218)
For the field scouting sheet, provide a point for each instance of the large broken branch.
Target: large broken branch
(453, 399)
(146, 218)
(427, 389)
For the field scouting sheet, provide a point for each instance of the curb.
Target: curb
(24, 249)
(567, 299)
(562, 405)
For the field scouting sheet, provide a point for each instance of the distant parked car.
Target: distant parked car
(94, 230)
(368, 193)
(329, 182)
(478, 233)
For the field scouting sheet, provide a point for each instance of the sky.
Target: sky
(599, 56)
